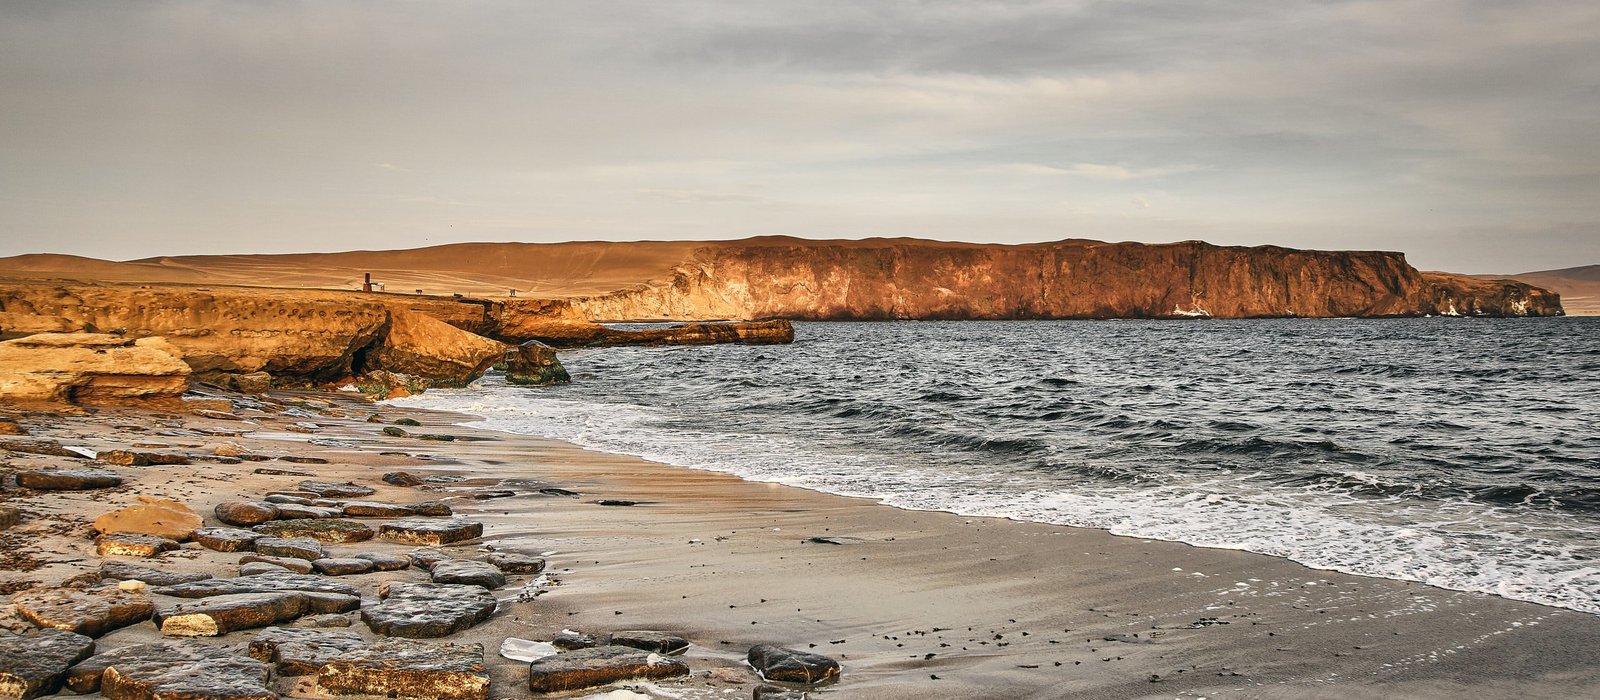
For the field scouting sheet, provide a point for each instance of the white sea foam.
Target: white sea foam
(1460, 546)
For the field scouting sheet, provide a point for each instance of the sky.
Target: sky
(1465, 133)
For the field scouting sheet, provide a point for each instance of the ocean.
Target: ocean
(1462, 453)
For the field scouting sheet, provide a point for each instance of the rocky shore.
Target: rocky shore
(233, 570)
(317, 545)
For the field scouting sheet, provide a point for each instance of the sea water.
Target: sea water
(1463, 453)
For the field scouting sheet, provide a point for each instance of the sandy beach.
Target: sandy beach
(913, 604)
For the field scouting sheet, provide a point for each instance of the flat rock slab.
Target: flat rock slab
(343, 566)
(291, 547)
(259, 568)
(41, 447)
(68, 479)
(265, 583)
(280, 499)
(435, 532)
(172, 671)
(408, 669)
(466, 571)
(329, 489)
(90, 613)
(295, 511)
(122, 571)
(226, 539)
(36, 664)
(331, 530)
(427, 610)
(589, 668)
(300, 651)
(129, 544)
(219, 615)
(374, 509)
(245, 513)
(152, 516)
(382, 561)
(135, 458)
(514, 563)
(772, 692)
(650, 640)
(299, 566)
(776, 663)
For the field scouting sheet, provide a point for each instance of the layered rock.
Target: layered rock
(91, 368)
(421, 345)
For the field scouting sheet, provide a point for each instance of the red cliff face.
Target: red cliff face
(902, 279)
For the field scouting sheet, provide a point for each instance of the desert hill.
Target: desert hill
(1579, 287)
(902, 278)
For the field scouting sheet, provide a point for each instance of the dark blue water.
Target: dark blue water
(1458, 452)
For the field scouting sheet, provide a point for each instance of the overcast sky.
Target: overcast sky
(1465, 133)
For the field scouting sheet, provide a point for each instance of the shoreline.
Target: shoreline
(1201, 582)
(997, 603)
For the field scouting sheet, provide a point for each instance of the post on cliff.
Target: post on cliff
(366, 283)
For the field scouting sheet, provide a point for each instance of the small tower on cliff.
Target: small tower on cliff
(366, 283)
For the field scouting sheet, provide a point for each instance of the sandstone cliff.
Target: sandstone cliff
(908, 279)
(91, 368)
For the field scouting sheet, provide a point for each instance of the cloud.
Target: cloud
(238, 127)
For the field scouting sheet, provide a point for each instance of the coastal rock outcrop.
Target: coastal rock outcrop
(420, 345)
(534, 363)
(880, 279)
(91, 368)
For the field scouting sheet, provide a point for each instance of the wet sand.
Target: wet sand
(914, 604)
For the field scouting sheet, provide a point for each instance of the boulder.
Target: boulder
(329, 489)
(91, 368)
(119, 571)
(153, 516)
(245, 513)
(68, 479)
(534, 364)
(36, 664)
(430, 532)
(172, 671)
(10, 427)
(382, 561)
(433, 509)
(128, 544)
(468, 572)
(426, 557)
(299, 566)
(408, 669)
(425, 610)
(90, 613)
(324, 530)
(420, 345)
(301, 651)
(219, 615)
(226, 539)
(650, 640)
(776, 663)
(515, 563)
(570, 640)
(250, 382)
(382, 384)
(402, 479)
(294, 548)
(343, 566)
(597, 666)
(265, 583)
